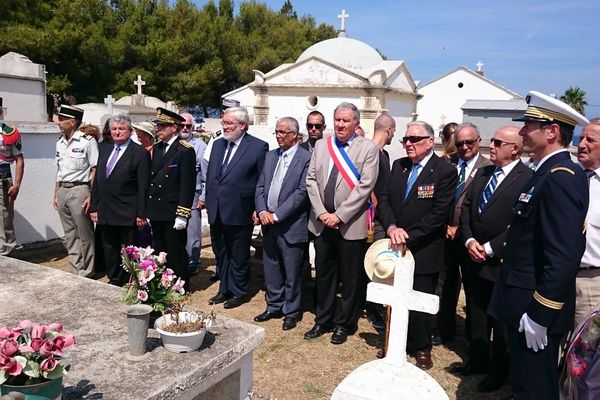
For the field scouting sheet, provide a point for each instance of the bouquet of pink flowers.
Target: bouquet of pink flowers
(151, 281)
(31, 353)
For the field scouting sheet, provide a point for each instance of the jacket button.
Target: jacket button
(152, 184)
(149, 197)
(166, 175)
(501, 260)
(519, 212)
(508, 226)
(504, 244)
(159, 186)
(159, 199)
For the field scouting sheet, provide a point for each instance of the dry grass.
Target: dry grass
(287, 367)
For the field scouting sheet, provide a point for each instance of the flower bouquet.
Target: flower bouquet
(581, 374)
(32, 353)
(151, 282)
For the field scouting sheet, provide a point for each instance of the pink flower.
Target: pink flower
(132, 252)
(5, 331)
(48, 364)
(146, 276)
(26, 324)
(148, 265)
(10, 365)
(162, 257)
(142, 295)
(178, 286)
(166, 279)
(9, 348)
(64, 341)
(55, 326)
(38, 332)
(48, 348)
(36, 344)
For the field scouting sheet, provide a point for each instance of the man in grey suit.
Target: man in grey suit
(282, 207)
(341, 176)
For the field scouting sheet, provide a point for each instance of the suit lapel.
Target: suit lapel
(505, 184)
(239, 153)
(121, 161)
(271, 166)
(424, 177)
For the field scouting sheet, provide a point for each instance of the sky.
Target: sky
(524, 45)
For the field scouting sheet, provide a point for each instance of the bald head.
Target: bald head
(505, 146)
(385, 126)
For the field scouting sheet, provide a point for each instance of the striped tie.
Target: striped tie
(461, 180)
(489, 190)
(414, 173)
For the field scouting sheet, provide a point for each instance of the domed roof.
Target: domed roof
(345, 52)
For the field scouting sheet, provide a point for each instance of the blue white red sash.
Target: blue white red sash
(343, 163)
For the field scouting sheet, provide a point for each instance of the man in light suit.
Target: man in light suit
(414, 208)
(467, 139)
(235, 163)
(119, 195)
(486, 212)
(339, 192)
(282, 207)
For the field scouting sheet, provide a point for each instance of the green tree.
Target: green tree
(575, 97)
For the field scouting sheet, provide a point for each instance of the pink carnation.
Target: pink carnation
(10, 365)
(132, 252)
(142, 295)
(148, 265)
(9, 348)
(48, 364)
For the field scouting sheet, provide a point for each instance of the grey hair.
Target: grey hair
(239, 113)
(428, 128)
(595, 121)
(467, 125)
(348, 106)
(121, 118)
(292, 123)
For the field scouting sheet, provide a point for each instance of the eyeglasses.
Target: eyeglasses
(282, 133)
(316, 126)
(498, 142)
(161, 125)
(189, 126)
(414, 139)
(229, 123)
(470, 143)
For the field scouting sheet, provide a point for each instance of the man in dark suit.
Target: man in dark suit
(414, 208)
(171, 192)
(315, 126)
(236, 161)
(467, 139)
(486, 211)
(534, 295)
(282, 207)
(341, 176)
(119, 195)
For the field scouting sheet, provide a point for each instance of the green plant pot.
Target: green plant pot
(51, 390)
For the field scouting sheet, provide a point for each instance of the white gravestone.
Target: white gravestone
(139, 83)
(393, 377)
(109, 101)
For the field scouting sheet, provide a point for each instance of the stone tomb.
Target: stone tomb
(393, 377)
(90, 310)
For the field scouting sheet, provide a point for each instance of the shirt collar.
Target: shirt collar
(543, 160)
(290, 152)
(425, 159)
(509, 167)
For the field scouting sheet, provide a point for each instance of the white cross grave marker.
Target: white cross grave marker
(109, 101)
(479, 65)
(342, 18)
(392, 377)
(139, 83)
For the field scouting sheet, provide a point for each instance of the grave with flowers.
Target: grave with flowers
(90, 311)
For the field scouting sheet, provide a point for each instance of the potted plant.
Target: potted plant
(151, 281)
(181, 330)
(31, 359)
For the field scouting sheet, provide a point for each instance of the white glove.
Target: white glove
(535, 334)
(180, 223)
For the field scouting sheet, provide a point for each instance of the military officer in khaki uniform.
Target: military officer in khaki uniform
(10, 151)
(76, 158)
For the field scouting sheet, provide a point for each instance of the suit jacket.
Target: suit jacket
(231, 197)
(172, 181)
(350, 205)
(292, 208)
(424, 214)
(491, 225)
(480, 162)
(544, 245)
(121, 197)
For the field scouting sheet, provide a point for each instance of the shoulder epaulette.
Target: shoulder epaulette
(186, 144)
(569, 170)
(88, 137)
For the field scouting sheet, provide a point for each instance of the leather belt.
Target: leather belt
(586, 268)
(69, 185)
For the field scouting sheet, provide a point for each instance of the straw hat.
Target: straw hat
(147, 127)
(380, 260)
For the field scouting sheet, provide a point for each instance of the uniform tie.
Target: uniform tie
(489, 190)
(414, 173)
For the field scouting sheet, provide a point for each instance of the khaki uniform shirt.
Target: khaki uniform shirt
(76, 157)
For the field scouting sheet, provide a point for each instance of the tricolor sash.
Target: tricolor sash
(343, 163)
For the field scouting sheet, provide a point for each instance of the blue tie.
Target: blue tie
(489, 190)
(414, 173)
(461, 180)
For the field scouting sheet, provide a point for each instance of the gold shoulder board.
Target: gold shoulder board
(569, 170)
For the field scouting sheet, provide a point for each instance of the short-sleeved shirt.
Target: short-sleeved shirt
(76, 157)
(9, 152)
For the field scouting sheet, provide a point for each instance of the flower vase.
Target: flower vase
(137, 328)
(50, 390)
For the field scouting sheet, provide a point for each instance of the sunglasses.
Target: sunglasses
(498, 142)
(316, 126)
(189, 126)
(469, 143)
(414, 139)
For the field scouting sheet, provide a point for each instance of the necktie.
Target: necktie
(226, 161)
(590, 174)
(414, 173)
(461, 179)
(329, 192)
(489, 190)
(273, 199)
(113, 160)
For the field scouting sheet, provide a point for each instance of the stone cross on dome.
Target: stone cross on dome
(109, 101)
(342, 18)
(479, 65)
(139, 83)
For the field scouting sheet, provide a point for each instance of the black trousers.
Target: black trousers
(113, 238)
(172, 242)
(455, 256)
(534, 375)
(419, 323)
(339, 260)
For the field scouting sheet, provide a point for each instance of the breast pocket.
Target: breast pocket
(78, 160)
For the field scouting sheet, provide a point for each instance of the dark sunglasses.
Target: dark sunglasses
(189, 126)
(469, 143)
(498, 142)
(316, 126)
(414, 139)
